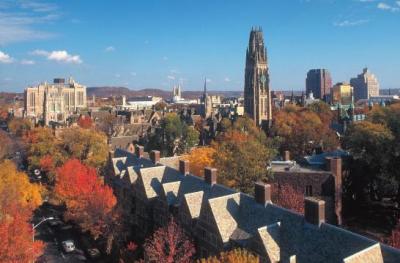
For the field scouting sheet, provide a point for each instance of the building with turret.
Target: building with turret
(257, 93)
(54, 102)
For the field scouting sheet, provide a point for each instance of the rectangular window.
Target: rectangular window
(308, 190)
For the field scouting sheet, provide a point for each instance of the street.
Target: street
(54, 232)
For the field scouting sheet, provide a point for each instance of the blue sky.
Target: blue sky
(155, 43)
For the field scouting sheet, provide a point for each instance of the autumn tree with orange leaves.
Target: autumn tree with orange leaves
(301, 130)
(199, 158)
(18, 198)
(238, 255)
(242, 155)
(169, 244)
(89, 202)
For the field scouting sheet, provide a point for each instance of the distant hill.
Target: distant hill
(119, 91)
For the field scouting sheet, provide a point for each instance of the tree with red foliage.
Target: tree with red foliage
(169, 244)
(16, 245)
(85, 122)
(288, 197)
(89, 202)
(394, 239)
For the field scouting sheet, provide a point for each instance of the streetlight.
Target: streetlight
(35, 226)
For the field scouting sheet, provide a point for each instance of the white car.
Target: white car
(68, 245)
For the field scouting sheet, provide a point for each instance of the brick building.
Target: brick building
(325, 183)
(219, 218)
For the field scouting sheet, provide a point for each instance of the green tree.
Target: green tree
(369, 144)
(173, 136)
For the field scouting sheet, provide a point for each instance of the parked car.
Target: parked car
(68, 246)
(55, 222)
(93, 253)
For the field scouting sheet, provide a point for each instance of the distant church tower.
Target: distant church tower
(257, 93)
(207, 103)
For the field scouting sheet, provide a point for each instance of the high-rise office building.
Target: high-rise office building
(365, 85)
(318, 82)
(257, 94)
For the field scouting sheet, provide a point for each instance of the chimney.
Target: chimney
(155, 156)
(131, 148)
(139, 151)
(184, 167)
(314, 210)
(210, 175)
(286, 155)
(262, 193)
(336, 170)
(336, 166)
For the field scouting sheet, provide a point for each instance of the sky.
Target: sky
(159, 43)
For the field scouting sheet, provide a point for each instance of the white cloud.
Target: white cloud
(386, 7)
(208, 80)
(171, 77)
(59, 56)
(117, 75)
(27, 62)
(226, 79)
(18, 19)
(347, 23)
(398, 3)
(133, 74)
(174, 71)
(38, 6)
(5, 58)
(109, 49)
(165, 58)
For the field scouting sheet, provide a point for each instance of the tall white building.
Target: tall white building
(54, 101)
(365, 85)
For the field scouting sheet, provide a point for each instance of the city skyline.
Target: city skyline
(126, 46)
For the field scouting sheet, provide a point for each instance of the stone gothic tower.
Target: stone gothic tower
(257, 93)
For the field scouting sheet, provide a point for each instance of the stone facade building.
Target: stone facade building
(365, 85)
(54, 102)
(152, 189)
(257, 93)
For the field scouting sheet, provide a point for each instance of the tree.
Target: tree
(394, 239)
(173, 136)
(169, 244)
(370, 146)
(88, 146)
(15, 188)
(302, 130)
(238, 255)
(199, 158)
(16, 236)
(18, 198)
(19, 126)
(85, 122)
(43, 151)
(242, 159)
(89, 202)
(6, 145)
(288, 197)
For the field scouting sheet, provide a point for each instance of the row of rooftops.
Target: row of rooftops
(242, 219)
